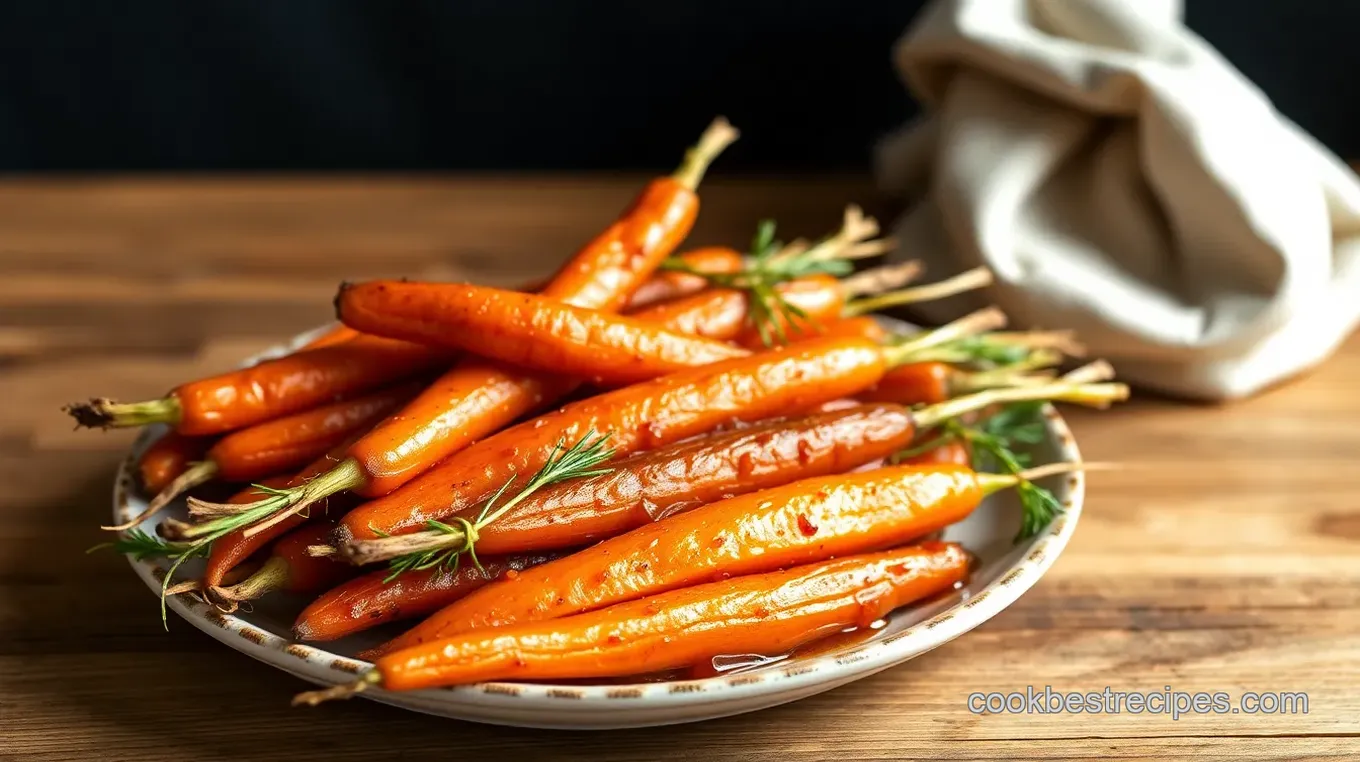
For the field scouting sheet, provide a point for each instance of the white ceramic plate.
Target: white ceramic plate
(1005, 572)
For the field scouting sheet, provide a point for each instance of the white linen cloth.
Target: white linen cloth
(1123, 180)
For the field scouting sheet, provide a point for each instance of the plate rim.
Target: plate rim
(803, 677)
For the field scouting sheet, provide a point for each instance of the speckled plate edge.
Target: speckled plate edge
(638, 705)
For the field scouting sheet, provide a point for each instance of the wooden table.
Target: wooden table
(1226, 561)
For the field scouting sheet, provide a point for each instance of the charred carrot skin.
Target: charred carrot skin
(298, 382)
(530, 331)
(667, 285)
(292, 441)
(770, 613)
(658, 483)
(644, 416)
(806, 521)
(231, 550)
(166, 458)
(371, 600)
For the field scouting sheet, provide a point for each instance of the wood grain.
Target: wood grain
(1225, 557)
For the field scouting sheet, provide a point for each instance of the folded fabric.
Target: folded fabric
(1122, 179)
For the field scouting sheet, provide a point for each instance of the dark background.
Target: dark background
(528, 84)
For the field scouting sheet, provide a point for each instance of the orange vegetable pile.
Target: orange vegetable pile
(651, 460)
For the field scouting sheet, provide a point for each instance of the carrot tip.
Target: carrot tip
(104, 413)
(91, 415)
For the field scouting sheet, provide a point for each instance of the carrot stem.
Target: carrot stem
(194, 475)
(272, 576)
(719, 135)
(880, 279)
(905, 350)
(978, 277)
(1092, 395)
(103, 413)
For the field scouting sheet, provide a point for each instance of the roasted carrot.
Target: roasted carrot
(931, 382)
(525, 330)
(644, 416)
(271, 389)
(290, 568)
(165, 459)
(807, 521)
(336, 335)
(641, 417)
(953, 452)
(233, 548)
(377, 598)
(282, 444)
(651, 485)
(771, 613)
(478, 397)
(666, 285)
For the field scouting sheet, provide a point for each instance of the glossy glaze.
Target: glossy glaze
(764, 613)
(659, 483)
(291, 442)
(371, 600)
(644, 416)
(526, 330)
(806, 521)
(665, 285)
(298, 382)
(167, 458)
(914, 383)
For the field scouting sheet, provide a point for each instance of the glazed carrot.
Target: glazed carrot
(376, 598)
(803, 522)
(647, 416)
(771, 613)
(658, 483)
(281, 444)
(168, 457)
(640, 417)
(525, 330)
(536, 332)
(289, 569)
(666, 285)
(235, 547)
(477, 397)
(336, 335)
(954, 452)
(271, 389)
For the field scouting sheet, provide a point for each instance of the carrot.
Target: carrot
(376, 598)
(168, 457)
(289, 569)
(273, 388)
(477, 397)
(669, 284)
(802, 522)
(525, 330)
(658, 483)
(646, 416)
(336, 335)
(953, 452)
(770, 613)
(281, 444)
